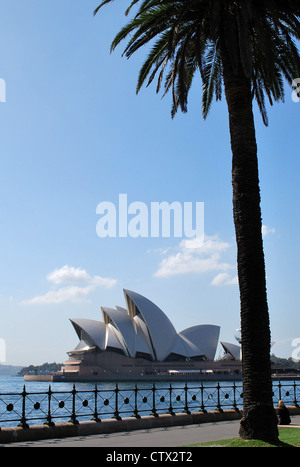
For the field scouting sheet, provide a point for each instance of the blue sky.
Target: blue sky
(73, 134)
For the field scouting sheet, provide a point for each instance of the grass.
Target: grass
(289, 438)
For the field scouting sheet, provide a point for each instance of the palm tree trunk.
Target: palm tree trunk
(259, 419)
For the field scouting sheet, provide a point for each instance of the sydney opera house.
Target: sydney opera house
(140, 340)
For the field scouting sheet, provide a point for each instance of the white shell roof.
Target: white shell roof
(158, 325)
(142, 339)
(184, 347)
(205, 338)
(124, 324)
(232, 349)
(114, 339)
(95, 330)
(143, 328)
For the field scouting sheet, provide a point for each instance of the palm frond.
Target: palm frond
(156, 57)
(260, 99)
(211, 77)
(101, 5)
(184, 36)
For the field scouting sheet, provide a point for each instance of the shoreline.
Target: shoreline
(148, 378)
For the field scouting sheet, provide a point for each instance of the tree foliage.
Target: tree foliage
(192, 35)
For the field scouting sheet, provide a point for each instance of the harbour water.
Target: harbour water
(15, 384)
(12, 384)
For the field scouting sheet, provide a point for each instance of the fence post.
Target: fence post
(171, 407)
(186, 408)
(49, 421)
(234, 398)
(136, 411)
(116, 413)
(154, 412)
(23, 422)
(219, 405)
(295, 395)
(73, 416)
(95, 415)
(202, 399)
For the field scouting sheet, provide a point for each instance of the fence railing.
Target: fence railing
(50, 407)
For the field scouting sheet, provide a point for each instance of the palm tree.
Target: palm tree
(248, 48)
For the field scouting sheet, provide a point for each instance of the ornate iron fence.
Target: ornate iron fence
(50, 407)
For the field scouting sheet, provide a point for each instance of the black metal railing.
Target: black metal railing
(50, 407)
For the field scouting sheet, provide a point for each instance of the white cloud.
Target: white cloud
(265, 230)
(64, 294)
(71, 293)
(206, 245)
(195, 256)
(68, 274)
(223, 278)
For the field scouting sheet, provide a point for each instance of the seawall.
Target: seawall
(124, 378)
(149, 378)
(63, 430)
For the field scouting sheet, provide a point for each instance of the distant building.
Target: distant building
(232, 351)
(141, 340)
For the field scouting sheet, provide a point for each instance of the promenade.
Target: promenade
(154, 437)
